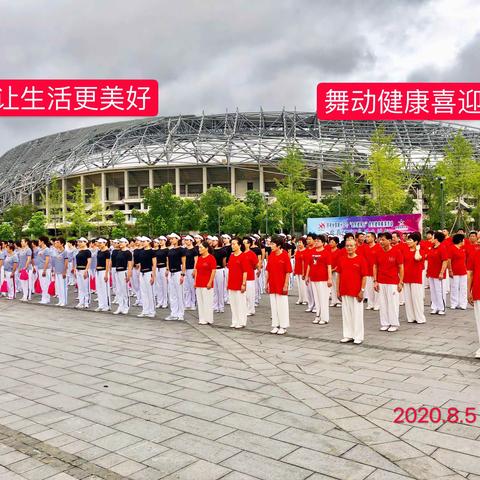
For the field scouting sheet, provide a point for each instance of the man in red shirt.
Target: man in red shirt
(388, 281)
(277, 279)
(311, 237)
(370, 248)
(351, 279)
(457, 267)
(253, 266)
(473, 288)
(437, 263)
(237, 285)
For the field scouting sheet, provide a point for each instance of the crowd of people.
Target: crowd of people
(206, 273)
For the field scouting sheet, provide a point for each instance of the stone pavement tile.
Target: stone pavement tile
(302, 422)
(238, 394)
(11, 457)
(201, 447)
(198, 410)
(199, 427)
(71, 424)
(339, 394)
(238, 476)
(366, 455)
(315, 441)
(249, 424)
(200, 470)
(353, 423)
(150, 412)
(152, 398)
(335, 413)
(372, 436)
(128, 467)
(107, 400)
(238, 383)
(160, 387)
(63, 402)
(25, 465)
(460, 430)
(193, 374)
(61, 440)
(50, 417)
(109, 460)
(32, 392)
(373, 400)
(142, 450)
(154, 374)
(274, 391)
(169, 461)
(33, 410)
(102, 415)
(92, 453)
(386, 475)
(78, 378)
(424, 468)
(328, 464)
(195, 384)
(116, 441)
(265, 468)
(147, 430)
(258, 444)
(114, 388)
(458, 461)
(62, 476)
(397, 450)
(75, 447)
(91, 432)
(427, 449)
(146, 474)
(245, 408)
(41, 473)
(288, 406)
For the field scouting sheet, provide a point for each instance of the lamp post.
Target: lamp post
(338, 189)
(266, 196)
(442, 202)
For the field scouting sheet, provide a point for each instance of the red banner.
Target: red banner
(398, 101)
(109, 98)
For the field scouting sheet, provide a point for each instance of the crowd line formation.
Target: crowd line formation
(208, 272)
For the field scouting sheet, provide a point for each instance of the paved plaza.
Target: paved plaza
(96, 396)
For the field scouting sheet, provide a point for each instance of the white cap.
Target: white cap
(226, 236)
(197, 235)
(156, 240)
(82, 239)
(162, 237)
(122, 240)
(101, 240)
(115, 240)
(281, 235)
(256, 235)
(173, 235)
(188, 237)
(214, 238)
(210, 237)
(145, 239)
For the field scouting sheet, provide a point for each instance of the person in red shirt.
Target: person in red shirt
(388, 281)
(311, 237)
(204, 274)
(319, 274)
(437, 263)
(351, 279)
(473, 288)
(237, 285)
(253, 266)
(335, 254)
(277, 279)
(413, 264)
(425, 246)
(457, 267)
(299, 271)
(369, 250)
(472, 244)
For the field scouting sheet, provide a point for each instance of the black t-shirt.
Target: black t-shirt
(145, 259)
(136, 257)
(113, 256)
(290, 248)
(175, 255)
(82, 257)
(228, 251)
(161, 255)
(102, 258)
(123, 257)
(268, 250)
(219, 254)
(190, 253)
(256, 250)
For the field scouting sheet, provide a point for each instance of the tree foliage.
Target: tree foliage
(189, 216)
(120, 227)
(18, 216)
(77, 213)
(211, 203)
(6, 231)
(236, 218)
(37, 225)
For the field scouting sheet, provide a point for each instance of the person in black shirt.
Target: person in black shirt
(258, 252)
(124, 262)
(176, 268)
(219, 285)
(147, 265)
(103, 276)
(161, 285)
(228, 251)
(138, 246)
(83, 259)
(115, 247)
(191, 254)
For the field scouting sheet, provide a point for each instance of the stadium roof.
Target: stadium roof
(222, 139)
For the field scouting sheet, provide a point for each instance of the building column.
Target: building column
(64, 200)
(177, 181)
(261, 180)
(82, 186)
(150, 178)
(103, 194)
(47, 202)
(232, 180)
(319, 183)
(32, 198)
(126, 186)
(204, 179)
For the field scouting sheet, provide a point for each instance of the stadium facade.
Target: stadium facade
(238, 151)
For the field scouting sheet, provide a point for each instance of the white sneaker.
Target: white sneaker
(308, 309)
(357, 342)
(298, 303)
(392, 329)
(274, 330)
(179, 318)
(322, 322)
(79, 306)
(105, 309)
(140, 315)
(171, 317)
(433, 312)
(116, 312)
(149, 315)
(477, 353)
(346, 340)
(316, 320)
(384, 329)
(376, 309)
(441, 312)
(98, 309)
(338, 305)
(202, 323)
(369, 308)
(333, 304)
(281, 331)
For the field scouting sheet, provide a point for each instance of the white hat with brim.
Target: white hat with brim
(173, 235)
(82, 239)
(162, 237)
(226, 236)
(101, 240)
(188, 237)
(122, 240)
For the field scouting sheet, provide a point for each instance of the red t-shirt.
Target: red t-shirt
(412, 269)
(351, 271)
(299, 262)
(319, 262)
(387, 265)
(335, 256)
(458, 259)
(237, 265)
(470, 248)
(251, 264)
(435, 258)
(473, 266)
(369, 253)
(204, 267)
(277, 267)
(425, 246)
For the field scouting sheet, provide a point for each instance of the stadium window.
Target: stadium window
(249, 185)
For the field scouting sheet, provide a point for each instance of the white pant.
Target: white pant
(438, 294)
(333, 291)
(352, 318)
(371, 294)
(123, 298)
(161, 288)
(103, 290)
(70, 276)
(476, 310)
(205, 304)
(458, 291)
(44, 283)
(11, 284)
(175, 295)
(148, 304)
(61, 288)
(280, 313)
(414, 300)
(401, 297)
(83, 285)
(113, 274)
(238, 305)
(310, 297)
(219, 290)
(135, 281)
(226, 298)
(446, 284)
(257, 294)
(389, 305)
(321, 293)
(302, 289)
(189, 299)
(25, 286)
(250, 291)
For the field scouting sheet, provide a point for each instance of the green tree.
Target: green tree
(386, 175)
(274, 217)
(257, 204)
(237, 218)
(54, 200)
(211, 203)
(120, 228)
(77, 213)
(18, 216)
(189, 215)
(37, 225)
(96, 206)
(315, 210)
(6, 231)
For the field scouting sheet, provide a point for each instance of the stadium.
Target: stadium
(238, 151)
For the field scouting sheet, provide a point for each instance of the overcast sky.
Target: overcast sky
(214, 55)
